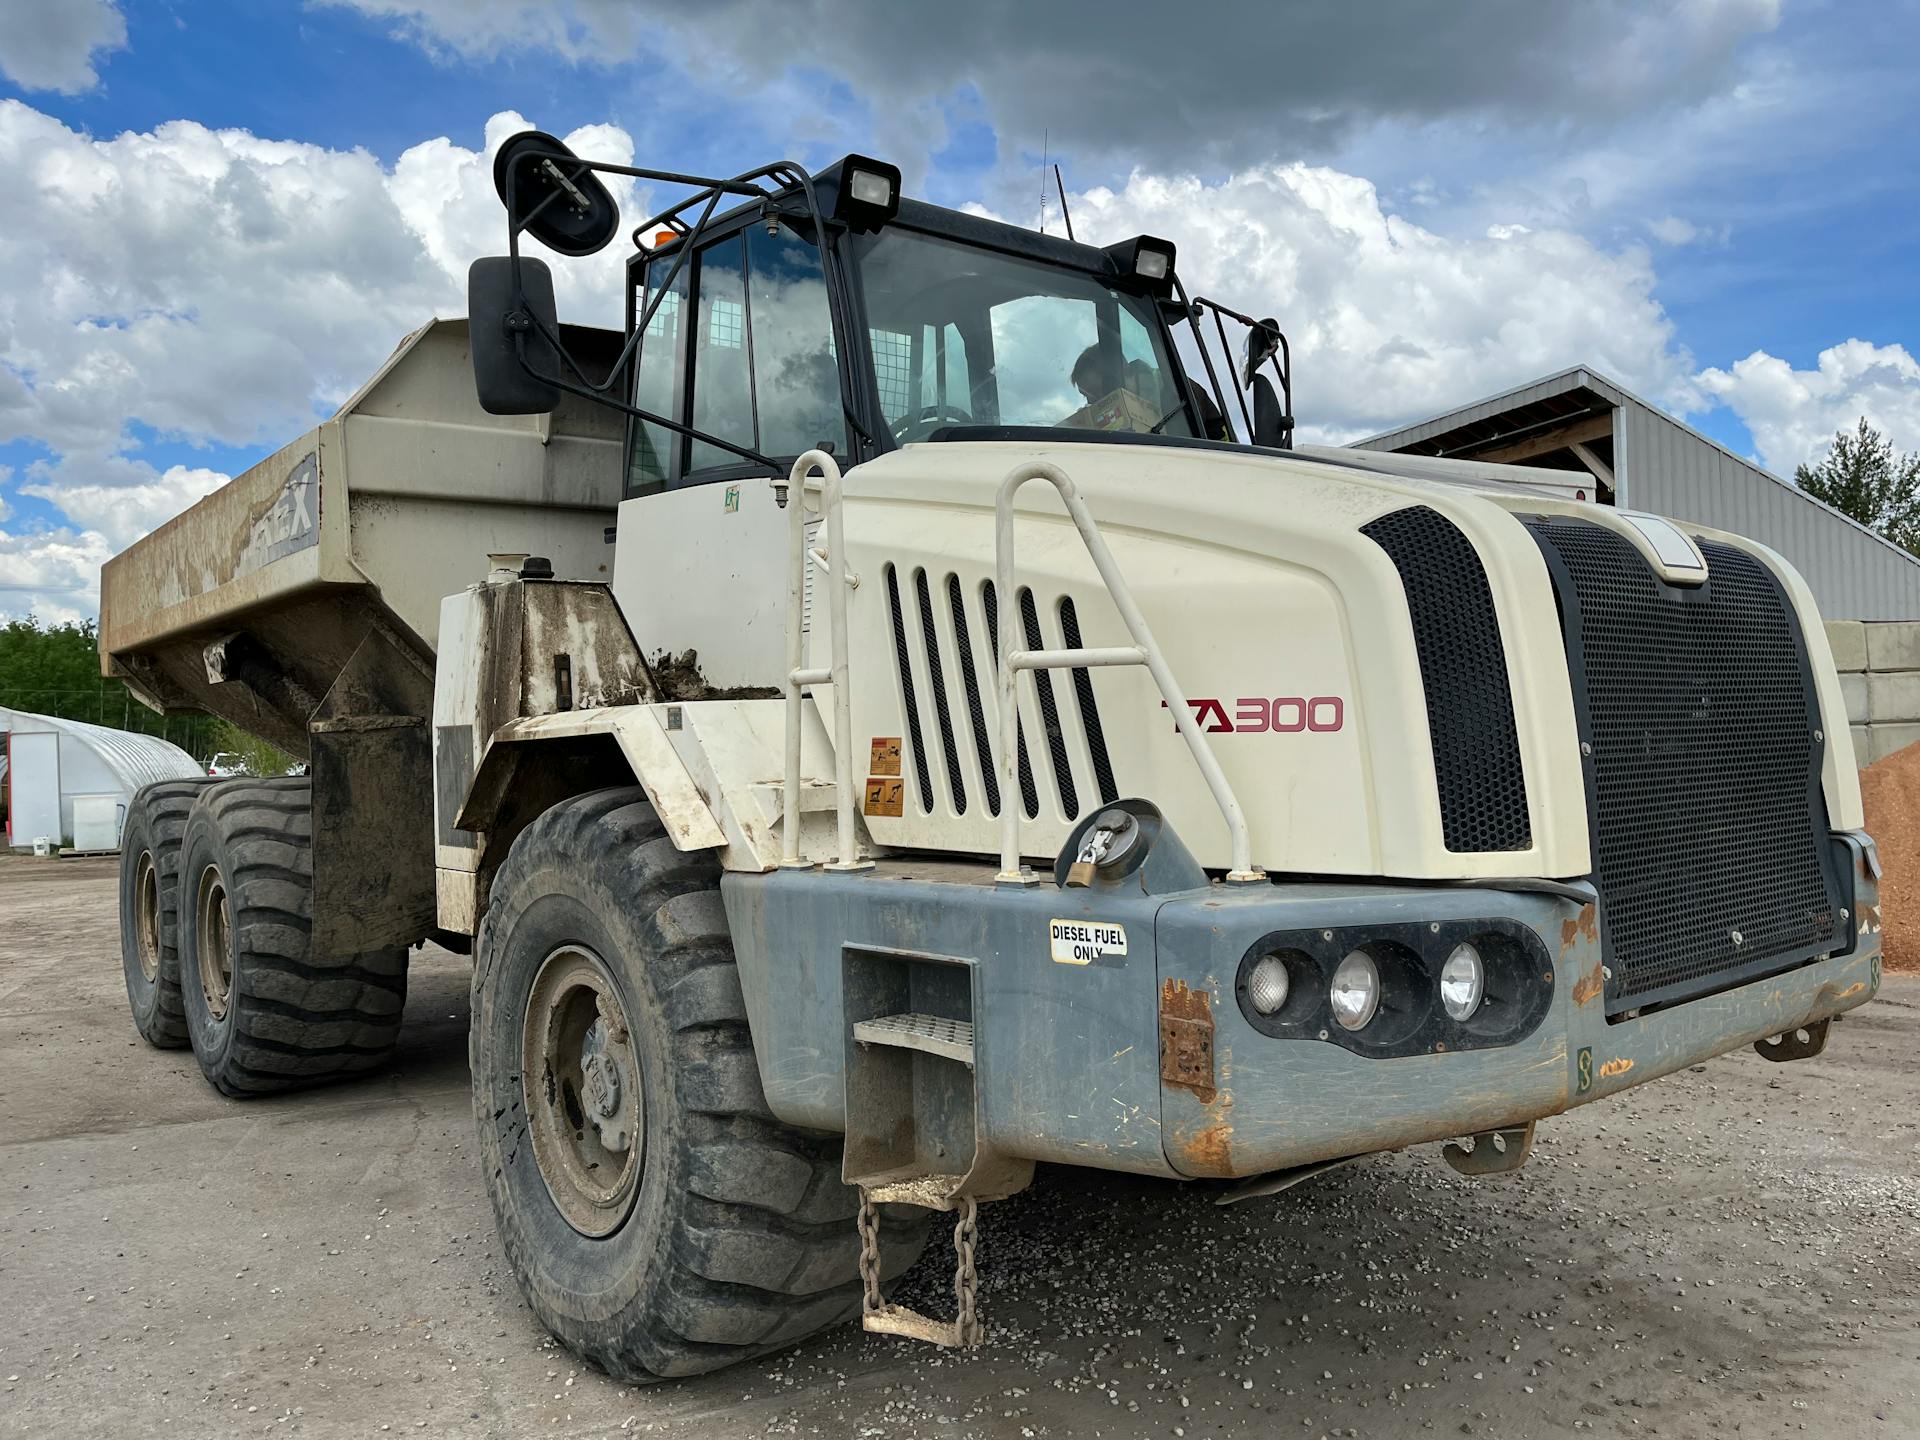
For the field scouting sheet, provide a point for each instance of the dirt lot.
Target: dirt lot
(1733, 1251)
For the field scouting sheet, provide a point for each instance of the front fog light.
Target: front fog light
(1267, 984)
(1355, 993)
(1463, 979)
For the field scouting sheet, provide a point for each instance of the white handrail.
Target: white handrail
(1143, 651)
(793, 494)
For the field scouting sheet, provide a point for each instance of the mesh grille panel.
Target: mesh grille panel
(970, 681)
(1049, 710)
(1708, 821)
(936, 677)
(1463, 669)
(1029, 795)
(908, 699)
(1089, 710)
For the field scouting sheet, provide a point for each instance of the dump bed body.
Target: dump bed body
(361, 526)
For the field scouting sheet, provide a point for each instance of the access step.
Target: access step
(951, 1039)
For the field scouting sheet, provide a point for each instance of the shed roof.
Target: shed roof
(135, 760)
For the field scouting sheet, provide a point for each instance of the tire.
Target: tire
(281, 1016)
(727, 1234)
(149, 912)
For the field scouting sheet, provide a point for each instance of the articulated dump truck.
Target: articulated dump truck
(897, 711)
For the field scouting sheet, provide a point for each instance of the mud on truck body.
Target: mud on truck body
(877, 723)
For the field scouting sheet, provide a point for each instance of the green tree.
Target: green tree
(1864, 477)
(255, 754)
(55, 670)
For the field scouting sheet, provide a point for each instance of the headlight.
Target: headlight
(1463, 980)
(1267, 984)
(1355, 993)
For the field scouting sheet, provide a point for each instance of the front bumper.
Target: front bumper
(1277, 1103)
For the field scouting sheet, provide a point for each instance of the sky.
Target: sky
(221, 215)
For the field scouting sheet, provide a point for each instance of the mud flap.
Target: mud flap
(373, 803)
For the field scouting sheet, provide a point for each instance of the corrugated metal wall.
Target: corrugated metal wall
(1665, 468)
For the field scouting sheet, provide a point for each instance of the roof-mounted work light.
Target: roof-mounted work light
(1146, 259)
(866, 192)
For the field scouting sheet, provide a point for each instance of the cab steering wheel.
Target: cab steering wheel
(930, 418)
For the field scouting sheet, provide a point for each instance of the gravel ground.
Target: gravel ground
(1732, 1251)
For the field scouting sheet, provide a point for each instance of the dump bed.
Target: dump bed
(359, 528)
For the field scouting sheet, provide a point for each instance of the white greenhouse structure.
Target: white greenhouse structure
(68, 783)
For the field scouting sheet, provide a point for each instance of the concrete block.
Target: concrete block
(1848, 641)
(1893, 697)
(1862, 745)
(1893, 645)
(1889, 738)
(1853, 689)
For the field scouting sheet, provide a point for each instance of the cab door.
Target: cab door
(740, 348)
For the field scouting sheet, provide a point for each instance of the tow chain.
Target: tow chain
(878, 1316)
(870, 1301)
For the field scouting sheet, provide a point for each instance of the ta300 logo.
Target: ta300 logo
(1268, 715)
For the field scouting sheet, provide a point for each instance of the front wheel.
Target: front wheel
(660, 1220)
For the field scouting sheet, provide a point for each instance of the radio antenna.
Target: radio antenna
(1065, 214)
(1044, 135)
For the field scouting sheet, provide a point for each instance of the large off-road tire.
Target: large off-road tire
(149, 917)
(661, 1222)
(263, 1011)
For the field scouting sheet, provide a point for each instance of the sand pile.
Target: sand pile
(1891, 791)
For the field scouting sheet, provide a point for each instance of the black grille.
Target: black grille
(911, 704)
(937, 679)
(1463, 668)
(1049, 711)
(1709, 828)
(1029, 795)
(1089, 708)
(970, 681)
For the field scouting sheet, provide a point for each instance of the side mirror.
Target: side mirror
(501, 329)
(1272, 426)
(1263, 340)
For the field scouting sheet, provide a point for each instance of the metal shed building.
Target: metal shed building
(1643, 459)
(70, 781)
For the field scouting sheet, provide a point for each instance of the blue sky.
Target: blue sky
(226, 212)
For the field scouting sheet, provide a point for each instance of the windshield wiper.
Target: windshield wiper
(1158, 424)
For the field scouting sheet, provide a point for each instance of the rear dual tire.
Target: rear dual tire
(149, 918)
(262, 1011)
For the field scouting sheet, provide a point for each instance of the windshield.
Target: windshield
(968, 336)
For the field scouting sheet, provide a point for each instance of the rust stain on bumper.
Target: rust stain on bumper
(1590, 986)
(1207, 1151)
(1186, 1039)
(1584, 926)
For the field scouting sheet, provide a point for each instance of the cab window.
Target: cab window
(762, 370)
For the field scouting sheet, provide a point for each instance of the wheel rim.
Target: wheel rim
(581, 1084)
(213, 941)
(146, 915)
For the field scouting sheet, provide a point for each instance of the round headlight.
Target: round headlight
(1355, 992)
(1267, 984)
(1463, 980)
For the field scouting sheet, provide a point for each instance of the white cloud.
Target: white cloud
(52, 44)
(123, 499)
(1794, 414)
(1390, 321)
(215, 286)
(52, 574)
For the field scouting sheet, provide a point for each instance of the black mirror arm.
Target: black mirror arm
(1226, 351)
(599, 396)
(1193, 323)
